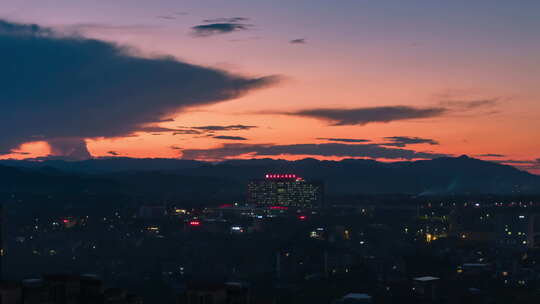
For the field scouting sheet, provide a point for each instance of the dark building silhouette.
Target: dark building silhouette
(10, 293)
(2, 252)
(287, 190)
(199, 292)
(64, 289)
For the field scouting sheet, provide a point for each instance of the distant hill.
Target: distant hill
(49, 179)
(441, 176)
(107, 165)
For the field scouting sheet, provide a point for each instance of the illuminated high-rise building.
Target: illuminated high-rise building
(287, 190)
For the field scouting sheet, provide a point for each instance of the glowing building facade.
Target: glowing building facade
(286, 190)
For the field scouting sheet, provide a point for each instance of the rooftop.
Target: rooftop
(357, 296)
(426, 279)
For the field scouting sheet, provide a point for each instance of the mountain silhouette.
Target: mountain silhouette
(441, 176)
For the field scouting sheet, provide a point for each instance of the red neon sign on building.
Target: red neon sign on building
(276, 176)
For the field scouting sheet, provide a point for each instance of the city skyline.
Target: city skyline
(359, 79)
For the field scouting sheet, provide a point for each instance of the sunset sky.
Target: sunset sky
(389, 80)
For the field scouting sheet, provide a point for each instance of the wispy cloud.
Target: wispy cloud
(533, 164)
(224, 128)
(187, 132)
(490, 155)
(167, 17)
(220, 26)
(363, 116)
(226, 20)
(386, 114)
(345, 140)
(81, 28)
(230, 137)
(464, 105)
(298, 41)
(402, 141)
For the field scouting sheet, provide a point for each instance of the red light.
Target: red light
(278, 208)
(302, 217)
(195, 223)
(226, 206)
(65, 221)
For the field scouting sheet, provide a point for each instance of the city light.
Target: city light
(180, 211)
(278, 208)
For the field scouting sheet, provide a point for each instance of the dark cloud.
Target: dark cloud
(224, 128)
(230, 137)
(490, 155)
(363, 116)
(402, 141)
(220, 26)
(59, 87)
(345, 140)
(113, 153)
(329, 149)
(385, 114)
(69, 148)
(175, 148)
(298, 41)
